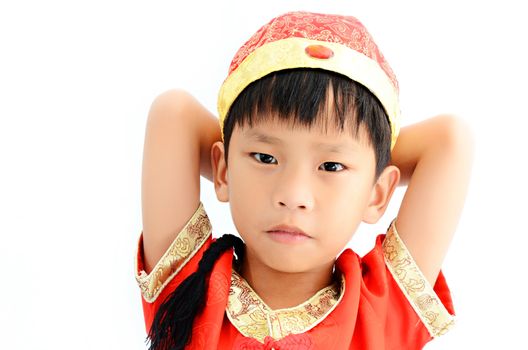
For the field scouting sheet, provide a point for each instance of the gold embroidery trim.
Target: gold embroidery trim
(253, 318)
(289, 53)
(187, 242)
(414, 285)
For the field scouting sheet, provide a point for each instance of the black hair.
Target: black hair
(298, 95)
(302, 96)
(171, 328)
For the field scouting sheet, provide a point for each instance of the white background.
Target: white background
(77, 80)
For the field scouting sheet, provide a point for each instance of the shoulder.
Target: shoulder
(393, 294)
(433, 304)
(194, 237)
(179, 261)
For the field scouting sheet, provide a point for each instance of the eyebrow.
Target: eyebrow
(332, 148)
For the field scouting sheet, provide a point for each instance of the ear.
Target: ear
(219, 167)
(381, 194)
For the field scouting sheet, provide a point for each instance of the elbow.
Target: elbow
(457, 135)
(168, 106)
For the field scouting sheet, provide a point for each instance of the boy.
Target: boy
(298, 188)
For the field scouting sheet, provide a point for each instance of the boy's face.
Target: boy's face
(278, 175)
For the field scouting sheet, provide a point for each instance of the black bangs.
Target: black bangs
(313, 98)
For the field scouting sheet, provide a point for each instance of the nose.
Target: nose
(294, 190)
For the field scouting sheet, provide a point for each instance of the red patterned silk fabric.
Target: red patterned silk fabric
(346, 30)
(373, 315)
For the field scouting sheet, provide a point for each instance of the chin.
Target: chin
(286, 266)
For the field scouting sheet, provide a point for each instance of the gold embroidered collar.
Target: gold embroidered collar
(253, 318)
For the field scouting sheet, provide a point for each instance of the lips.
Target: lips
(293, 230)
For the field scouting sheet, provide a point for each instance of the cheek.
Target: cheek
(249, 182)
(344, 204)
(247, 195)
(342, 191)
(244, 183)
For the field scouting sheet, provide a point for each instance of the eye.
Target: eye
(332, 166)
(263, 157)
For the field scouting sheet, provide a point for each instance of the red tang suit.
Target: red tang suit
(380, 301)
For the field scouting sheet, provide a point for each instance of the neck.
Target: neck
(280, 290)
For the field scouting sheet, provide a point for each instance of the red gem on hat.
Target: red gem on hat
(319, 51)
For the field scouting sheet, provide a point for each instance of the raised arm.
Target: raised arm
(435, 158)
(178, 138)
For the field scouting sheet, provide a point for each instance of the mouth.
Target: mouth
(288, 234)
(287, 230)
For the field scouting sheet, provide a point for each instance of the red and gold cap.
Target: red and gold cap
(312, 40)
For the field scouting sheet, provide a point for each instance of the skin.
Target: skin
(293, 181)
(432, 158)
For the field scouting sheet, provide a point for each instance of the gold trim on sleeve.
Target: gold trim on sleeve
(414, 285)
(254, 319)
(187, 242)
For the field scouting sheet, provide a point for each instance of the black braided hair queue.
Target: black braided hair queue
(173, 323)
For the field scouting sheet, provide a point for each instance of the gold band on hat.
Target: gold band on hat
(290, 53)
